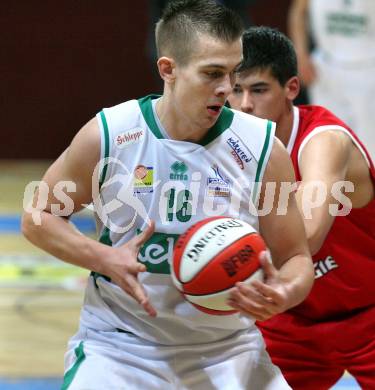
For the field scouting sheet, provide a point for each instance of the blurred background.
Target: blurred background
(60, 63)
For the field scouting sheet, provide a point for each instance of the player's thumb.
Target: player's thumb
(266, 263)
(136, 267)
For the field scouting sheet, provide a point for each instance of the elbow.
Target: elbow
(307, 281)
(311, 277)
(28, 226)
(315, 243)
(316, 234)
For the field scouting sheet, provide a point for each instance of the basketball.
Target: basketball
(211, 257)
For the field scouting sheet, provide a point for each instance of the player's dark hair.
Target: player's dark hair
(183, 20)
(267, 48)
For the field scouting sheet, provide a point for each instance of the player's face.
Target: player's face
(203, 84)
(260, 94)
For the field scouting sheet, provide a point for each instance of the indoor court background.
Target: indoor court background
(60, 63)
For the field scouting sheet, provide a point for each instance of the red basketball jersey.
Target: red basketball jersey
(345, 265)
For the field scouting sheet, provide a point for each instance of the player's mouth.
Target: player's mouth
(214, 110)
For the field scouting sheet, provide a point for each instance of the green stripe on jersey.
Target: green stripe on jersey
(223, 123)
(148, 114)
(261, 167)
(106, 146)
(264, 151)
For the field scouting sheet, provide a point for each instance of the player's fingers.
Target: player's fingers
(246, 306)
(136, 290)
(246, 294)
(150, 310)
(135, 267)
(268, 292)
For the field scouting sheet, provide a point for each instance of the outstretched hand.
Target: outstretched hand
(123, 268)
(261, 300)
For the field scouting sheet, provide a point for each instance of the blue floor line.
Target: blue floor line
(55, 384)
(11, 224)
(31, 384)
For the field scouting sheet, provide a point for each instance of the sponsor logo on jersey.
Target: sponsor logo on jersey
(178, 171)
(218, 186)
(347, 23)
(324, 266)
(128, 138)
(238, 153)
(143, 180)
(156, 253)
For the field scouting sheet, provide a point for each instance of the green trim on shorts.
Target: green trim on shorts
(260, 168)
(106, 146)
(70, 374)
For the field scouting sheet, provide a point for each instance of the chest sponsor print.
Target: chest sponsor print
(218, 185)
(324, 266)
(143, 180)
(156, 254)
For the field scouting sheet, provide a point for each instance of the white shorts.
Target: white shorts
(102, 360)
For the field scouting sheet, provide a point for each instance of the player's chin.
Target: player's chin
(211, 119)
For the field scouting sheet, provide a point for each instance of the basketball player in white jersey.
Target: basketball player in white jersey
(340, 71)
(165, 163)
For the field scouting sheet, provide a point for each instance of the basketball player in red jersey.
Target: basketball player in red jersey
(334, 328)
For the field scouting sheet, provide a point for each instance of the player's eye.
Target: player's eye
(237, 90)
(214, 75)
(259, 90)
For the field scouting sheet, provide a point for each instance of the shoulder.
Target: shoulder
(115, 116)
(243, 119)
(88, 137)
(312, 117)
(279, 166)
(317, 121)
(84, 151)
(256, 133)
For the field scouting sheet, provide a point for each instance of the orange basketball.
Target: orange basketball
(211, 257)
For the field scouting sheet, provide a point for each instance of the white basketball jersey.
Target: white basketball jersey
(344, 30)
(176, 184)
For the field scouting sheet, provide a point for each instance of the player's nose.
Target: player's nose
(247, 104)
(226, 86)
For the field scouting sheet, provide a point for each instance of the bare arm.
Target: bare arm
(323, 162)
(298, 31)
(56, 235)
(290, 278)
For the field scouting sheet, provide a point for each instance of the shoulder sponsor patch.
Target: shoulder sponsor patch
(238, 152)
(127, 138)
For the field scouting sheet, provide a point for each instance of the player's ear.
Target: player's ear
(167, 66)
(292, 88)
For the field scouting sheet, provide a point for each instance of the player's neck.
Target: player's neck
(176, 127)
(285, 125)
